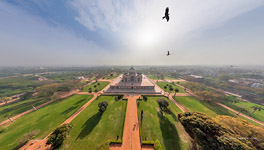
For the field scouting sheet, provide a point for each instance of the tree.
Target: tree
(165, 87)
(176, 90)
(95, 86)
(59, 135)
(145, 98)
(255, 108)
(171, 88)
(102, 106)
(241, 110)
(98, 83)
(163, 104)
(95, 90)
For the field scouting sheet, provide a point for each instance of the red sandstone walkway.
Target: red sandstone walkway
(131, 138)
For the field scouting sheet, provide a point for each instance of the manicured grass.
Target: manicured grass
(92, 129)
(162, 84)
(42, 121)
(18, 107)
(167, 129)
(102, 84)
(211, 109)
(108, 77)
(258, 115)
(153, 77)
(194, 105)
(170, 78)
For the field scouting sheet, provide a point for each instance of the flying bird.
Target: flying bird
(166, 14)
(168, 54)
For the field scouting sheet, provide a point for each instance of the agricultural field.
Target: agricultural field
(248, 106)
(94, 129)
(167, 89)
(19, 106)
(167, 129)
(41, 122)
(99, 85)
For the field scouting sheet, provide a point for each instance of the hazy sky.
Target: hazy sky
(131, 32)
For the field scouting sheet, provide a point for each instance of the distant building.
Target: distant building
(257, 85)
(132, 82)
(80, 78)
(196, 78)
(41, 79)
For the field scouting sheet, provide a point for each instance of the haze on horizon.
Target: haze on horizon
(125, 32)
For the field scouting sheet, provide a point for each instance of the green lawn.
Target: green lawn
(42, 121)
(170, 78)
(167, 129)
(156, 78)
(102, 84)
(258, 115)
(108, 77)
(92, 129)
(18, 107)
(211, 109)
(152, 77)
(17, 85)
(167, 84)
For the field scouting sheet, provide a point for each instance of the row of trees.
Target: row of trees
(204, 92)
(171, 89)
(49, 90)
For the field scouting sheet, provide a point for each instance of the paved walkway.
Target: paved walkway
(131, 137)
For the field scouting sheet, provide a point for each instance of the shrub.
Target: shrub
(59, 135)
(157, 145)
(102, 106)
